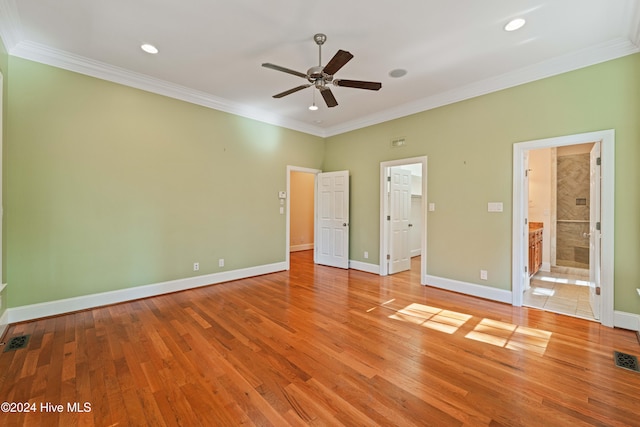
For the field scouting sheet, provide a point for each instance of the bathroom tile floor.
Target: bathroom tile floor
(560, 293)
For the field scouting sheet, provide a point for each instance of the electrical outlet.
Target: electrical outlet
(483, 274)
(196, 266)
(221, 262)
(366, 255)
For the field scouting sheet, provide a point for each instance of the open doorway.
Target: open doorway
(600, 224)
(403, 225)
(300, 208)
(559, 237)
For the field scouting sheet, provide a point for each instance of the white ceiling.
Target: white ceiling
(211, 51)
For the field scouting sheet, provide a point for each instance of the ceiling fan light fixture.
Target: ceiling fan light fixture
(515, 24)
(149, 48)
(313, 106)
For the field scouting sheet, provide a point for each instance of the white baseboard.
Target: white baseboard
(4, 319)
(4, 322)
(364, 266)
(415, 252)
(54, 308)
(625, 320)
(304, 247)
(472, 289)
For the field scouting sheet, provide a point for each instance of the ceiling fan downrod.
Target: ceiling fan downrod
(320, 39)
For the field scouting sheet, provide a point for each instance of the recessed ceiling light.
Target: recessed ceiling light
(397, 73)
(149, 48)
(515, 24)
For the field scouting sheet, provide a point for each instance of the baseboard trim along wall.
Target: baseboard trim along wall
(54, 308)
(25, 313)
(472, 289)
(303, 247)
(626, 320)
(4, 322)
(364, 266)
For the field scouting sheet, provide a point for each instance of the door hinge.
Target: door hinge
(526, 221)
(598, 225)
(526, 173)
(388, 217)
(597, 290)
(388, 257)
(389, 178)
(599, 161)
(526, 269)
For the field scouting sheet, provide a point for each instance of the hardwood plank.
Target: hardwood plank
(321, 346)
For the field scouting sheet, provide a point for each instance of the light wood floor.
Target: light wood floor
(321, 346)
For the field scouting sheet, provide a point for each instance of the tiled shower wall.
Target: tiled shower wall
(572, 247)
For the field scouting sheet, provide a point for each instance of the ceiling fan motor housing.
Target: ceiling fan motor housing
(320, 39)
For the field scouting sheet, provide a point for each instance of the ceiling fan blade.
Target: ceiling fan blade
(339, 59)
(284, 70)
(329, 99)
(358, 84)
(290, 91)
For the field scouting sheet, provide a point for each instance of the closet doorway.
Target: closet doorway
(403, 221)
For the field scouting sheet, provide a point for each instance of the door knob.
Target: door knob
(410, 225)
(344, 224)
(586, 235)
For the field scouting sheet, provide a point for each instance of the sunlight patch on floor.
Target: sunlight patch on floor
(510, 336)
(446, 321)
(488, 331)
(547, 292)
(553, 279)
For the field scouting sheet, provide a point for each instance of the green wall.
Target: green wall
(469, 146)
(111, 187)
(4, 68)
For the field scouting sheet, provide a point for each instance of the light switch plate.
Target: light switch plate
(495, 207)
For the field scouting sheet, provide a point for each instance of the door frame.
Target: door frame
(287, 248)
(521, 204)
(384, 230)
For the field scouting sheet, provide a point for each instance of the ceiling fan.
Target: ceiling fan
(320, 76)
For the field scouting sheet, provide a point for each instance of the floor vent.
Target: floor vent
(16, 343)
(626, 361)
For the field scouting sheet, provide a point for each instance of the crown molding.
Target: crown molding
(634, 24)
(613, 49)
(13, 38)
(10, 26)
(57, 58)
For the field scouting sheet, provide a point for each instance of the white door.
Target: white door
(332, 235)
(594, 230)
(525, 232)
(400, 220)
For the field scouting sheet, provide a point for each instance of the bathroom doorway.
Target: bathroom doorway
(558, 212)
(570, 257)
